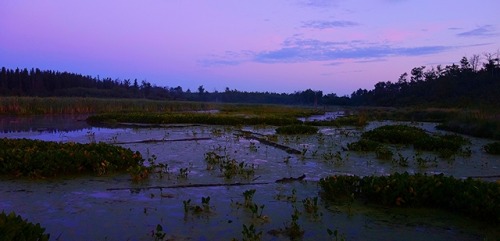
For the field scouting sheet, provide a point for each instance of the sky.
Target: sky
(283, 46)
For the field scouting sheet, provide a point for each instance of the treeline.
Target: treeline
(47, 83)
(470, 83)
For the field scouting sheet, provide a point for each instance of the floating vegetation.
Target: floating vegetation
(40, 159)
(445, 145)
(228, 166)
(471, 197)
(13, 227)
(204, 208)
(364, 145)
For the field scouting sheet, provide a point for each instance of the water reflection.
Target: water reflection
(45, 123)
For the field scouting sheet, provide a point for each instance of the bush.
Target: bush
(13, 227)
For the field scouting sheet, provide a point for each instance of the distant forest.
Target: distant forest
(471, 83)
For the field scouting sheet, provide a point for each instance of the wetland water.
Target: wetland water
(115, 208)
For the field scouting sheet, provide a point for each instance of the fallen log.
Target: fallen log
(291, 179)
(282, 180)
(189, 186)
(163, 140)
(251, 136)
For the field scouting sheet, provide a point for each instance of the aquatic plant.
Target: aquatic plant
(334, 235)
(471, 197)
(294, 230)
(13, 227)
(401, 160)
(311, 205)
(204, 208)
(183, 173)
(158, 233)
(383, 153)
(248, 195)
(250, 233)
(39, 159)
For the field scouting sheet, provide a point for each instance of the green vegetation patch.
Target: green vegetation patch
(350, 120)
(39, 159)
(364, 145)
(190, 118)
(395, 134)
(297, 130)
(446, 145)
(13, 227)
(471, 197)
(493, 148)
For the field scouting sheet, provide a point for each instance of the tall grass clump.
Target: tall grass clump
(80, 105)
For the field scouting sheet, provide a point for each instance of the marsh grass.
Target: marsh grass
(189, 118)
(76, 105)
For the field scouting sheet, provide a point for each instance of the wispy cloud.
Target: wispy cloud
(296, 50)
(318, 3)
(316, 50)
(329, 24)
(482, 31)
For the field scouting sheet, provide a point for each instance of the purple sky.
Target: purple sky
(336, 46)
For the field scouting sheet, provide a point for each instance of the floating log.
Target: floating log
(163, 140)
(189, 186)
(251, 136)
(282, 180)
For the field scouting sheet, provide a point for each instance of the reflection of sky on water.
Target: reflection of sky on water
(75, 205)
